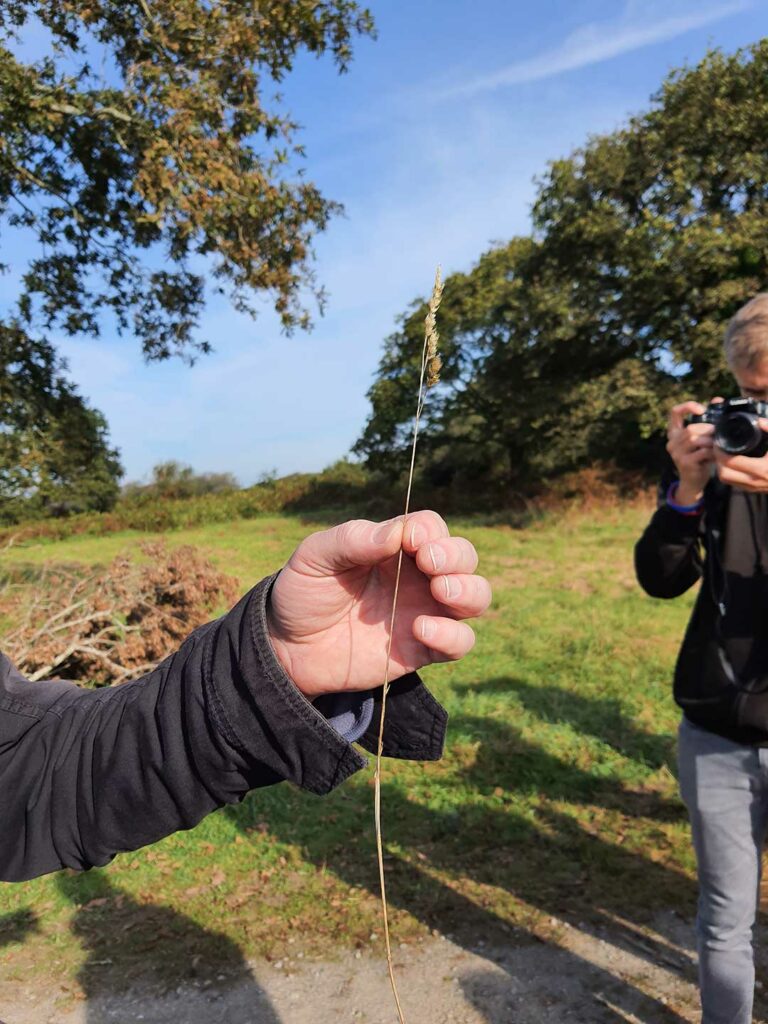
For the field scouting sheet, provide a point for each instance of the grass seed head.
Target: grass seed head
(433, 370)
(433, 360)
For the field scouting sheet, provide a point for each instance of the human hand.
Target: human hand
(692, 449)
(743, 471)
(331, 606)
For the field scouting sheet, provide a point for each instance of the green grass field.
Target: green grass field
(556, 797)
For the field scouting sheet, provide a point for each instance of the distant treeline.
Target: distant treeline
(341, 491)
(173, 479)
(343, 486)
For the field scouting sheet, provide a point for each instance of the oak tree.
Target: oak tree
(566, 347)
(147, 164)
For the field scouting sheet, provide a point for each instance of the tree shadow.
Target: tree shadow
(506, 760)
(601, 717)
(17, 926)
(146, 954)
(542, 857)
(524, 958)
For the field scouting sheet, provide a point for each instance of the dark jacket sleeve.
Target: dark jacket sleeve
(85, 774)
(668, 558)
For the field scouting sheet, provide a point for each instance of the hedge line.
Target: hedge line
(352, 490)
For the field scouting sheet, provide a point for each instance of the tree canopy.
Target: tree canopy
(174, 480)
(148, 164)
(55, 456)
(566, 346)
(145, 131)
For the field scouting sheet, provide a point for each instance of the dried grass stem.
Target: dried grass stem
(429, 376)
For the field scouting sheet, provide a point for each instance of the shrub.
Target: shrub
(105, 627)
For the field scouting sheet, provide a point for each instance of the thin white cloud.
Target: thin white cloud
(597, 42)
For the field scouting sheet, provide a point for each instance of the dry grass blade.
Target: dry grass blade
(429, 376)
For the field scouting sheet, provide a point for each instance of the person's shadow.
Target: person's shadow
(154, 961)
(16, 927)
(578, 874)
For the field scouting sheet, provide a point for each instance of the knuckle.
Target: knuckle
(455, 646)
(469, 553)
(430, 516)
(311, 543)
(467, 637)
(351, 530)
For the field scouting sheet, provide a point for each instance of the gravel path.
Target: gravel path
(615, 974)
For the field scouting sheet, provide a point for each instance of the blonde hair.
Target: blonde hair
(746, 337)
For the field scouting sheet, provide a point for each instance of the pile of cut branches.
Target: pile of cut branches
(101, 628)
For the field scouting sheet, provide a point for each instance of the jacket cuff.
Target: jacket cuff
(673, 526)
(414, 726)
(264, 704)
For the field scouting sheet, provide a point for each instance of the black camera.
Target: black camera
(737, 430)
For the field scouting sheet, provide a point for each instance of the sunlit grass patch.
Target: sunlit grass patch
(556, 796)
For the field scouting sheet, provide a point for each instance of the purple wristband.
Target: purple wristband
(685, 510)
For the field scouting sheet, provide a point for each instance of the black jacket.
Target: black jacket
(721, 675)
(85, 774)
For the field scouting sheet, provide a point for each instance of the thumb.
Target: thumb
(358, 542)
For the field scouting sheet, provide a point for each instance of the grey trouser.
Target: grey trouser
(725, 788)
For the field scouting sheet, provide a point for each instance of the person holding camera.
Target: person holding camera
(712, 524)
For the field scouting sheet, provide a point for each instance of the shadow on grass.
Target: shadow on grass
(498, 836)
(137, 954)
(17, 926)
(506, 760)
(601, 717)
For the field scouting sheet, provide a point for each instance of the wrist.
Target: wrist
(279, 648)
(688, 494)
(684, 498)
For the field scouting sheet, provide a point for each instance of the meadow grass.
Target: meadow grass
(556, 797)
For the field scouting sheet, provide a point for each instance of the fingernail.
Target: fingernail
(427, 629)
(382, 534)
(451, 587)
(438, 557)
(417, 535)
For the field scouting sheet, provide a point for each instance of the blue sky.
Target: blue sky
(431, 141)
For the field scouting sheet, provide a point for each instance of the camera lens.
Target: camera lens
(738, 433)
